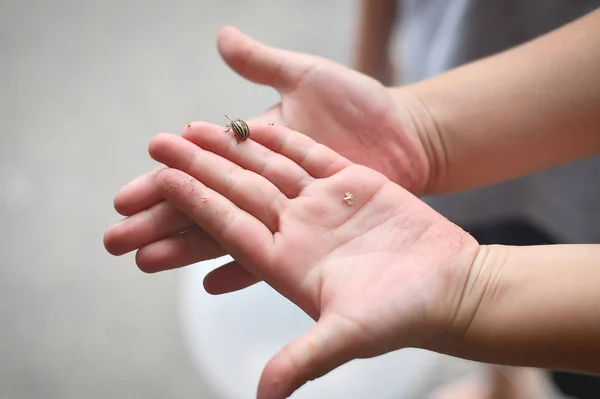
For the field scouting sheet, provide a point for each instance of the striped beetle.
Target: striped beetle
(240, 129)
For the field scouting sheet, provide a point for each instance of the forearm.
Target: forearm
(533, 306)
(532, 107)
(376, 23)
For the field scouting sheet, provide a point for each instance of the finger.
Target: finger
(282, 172)
(316, 159)
(160, 221)
(177, 251)
(240, 234)
(228, 278)
(225, 177)
(328, 345)
(260, 63)
(138, 195)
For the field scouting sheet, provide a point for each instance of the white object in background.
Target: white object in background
(231, 337)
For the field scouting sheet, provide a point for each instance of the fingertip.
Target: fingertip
(120, 205)
(212, 285)
(159, 143)
(111, 241)
(329, 344)
(137, 195)
(226, 39)
(250, 58)
(275, 380)
(124, 202)
(144, 262)
(226, 30)
(106, 241)
(210, 288)
(230, 277)
(195, 129)
(191, 126)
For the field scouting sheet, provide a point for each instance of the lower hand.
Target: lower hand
(379, 273)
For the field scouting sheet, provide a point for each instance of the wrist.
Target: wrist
(482, 282)
(519, 301)
(428, 132)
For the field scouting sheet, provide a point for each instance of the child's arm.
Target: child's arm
(529, 108)
(533, 306)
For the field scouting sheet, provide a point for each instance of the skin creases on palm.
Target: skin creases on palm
(383, 240)
(357, 117)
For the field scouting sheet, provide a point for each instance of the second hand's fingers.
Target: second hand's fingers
(260, 63)
(284, 173)
(239, 233)
(316, 159)
(225, 177)
(138, 195)
(228, 278)
(178, 250)
(191, 247)
(160, 221)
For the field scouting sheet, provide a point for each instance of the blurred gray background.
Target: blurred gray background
(84, 85)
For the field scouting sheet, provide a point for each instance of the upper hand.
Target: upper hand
(339, 107)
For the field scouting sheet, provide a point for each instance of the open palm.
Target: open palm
(340, 108)
(380, 272)
(336, 106)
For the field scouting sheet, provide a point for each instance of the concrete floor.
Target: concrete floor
(84, 85)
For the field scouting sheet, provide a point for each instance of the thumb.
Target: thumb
(331, 343)
(261, 64)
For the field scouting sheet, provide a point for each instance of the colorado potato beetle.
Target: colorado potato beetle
(240, 129)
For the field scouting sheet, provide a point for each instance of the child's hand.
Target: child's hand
(377, 268)
(338, 107)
